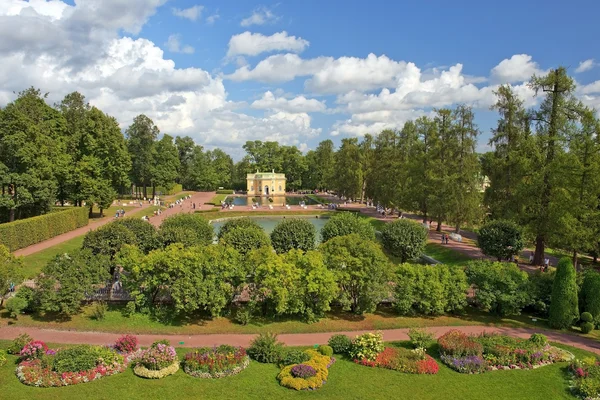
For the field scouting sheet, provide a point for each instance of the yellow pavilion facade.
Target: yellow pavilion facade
(265, 184)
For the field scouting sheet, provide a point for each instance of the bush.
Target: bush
(429, 289)
(587, 327)
(340, 344)
(243, 316)
(541, 290)
(188, 229)
(346, 223)
(18, 343)
(108, 239)
(164, 342)
(500, 288)
(2, 358)
(75, 359)
(420, 338)
(245, 240)
(129, 309)
(564, 305)
(33, 350)
(28, 294)
(367, 346)
(265, 348)
(404, 239)
(586, 317)
(538, 339)
(292, 356)
(590, 300)
(25, 232)
(293, 233)
(233, 223)
(126, 344)
(458, 344)
(16, 305)
(99, 310)
(305, 380)
(143, 231)
(215, 363)
(500, 239)
(169, 190)
(326, 350)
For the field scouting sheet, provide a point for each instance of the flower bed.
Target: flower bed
(43, 367)
(218, 362)
(477, 354)
(301, 376)
(585, 381)
(156, 362)
(399, 359)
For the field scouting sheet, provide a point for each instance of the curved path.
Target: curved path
(292, 339)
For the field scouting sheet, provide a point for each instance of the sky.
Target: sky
(296, 72)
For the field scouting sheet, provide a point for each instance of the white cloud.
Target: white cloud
(518, 68)
(211, 19)
(192, 13)
(279, 68)
(585, 66)
(260, 16)
(252, 44)
(299, 104)
(593, 87)
(174, 44)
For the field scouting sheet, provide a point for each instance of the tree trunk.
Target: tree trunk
(11, 215)
(145, 190)
(457, 228)
(425, 217)
(538, 256)
(91, 208)
(101, 212)
(439, 225)
(575, 259)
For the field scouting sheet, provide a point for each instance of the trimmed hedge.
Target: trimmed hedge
(176, 188)
(25, 232)
(225, 191)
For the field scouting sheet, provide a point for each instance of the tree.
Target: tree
(347, 180)
(67, 279)
(293, 166)
(500, 239)
(293, 233)
(404, 239)
(11, 271)
(362, 271)
(245, 240)
(108, 240)
(188, 229)
(590, 301)
(346, 223)
(500, 288)
(185, 150)
(232, 223)
(146, 237)
(564, 308)
(320, 166)
(141, 136)
(165, 165)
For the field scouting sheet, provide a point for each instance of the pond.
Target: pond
(268, 223)
(264, 201)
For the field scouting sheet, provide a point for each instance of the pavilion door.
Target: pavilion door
(266, 190)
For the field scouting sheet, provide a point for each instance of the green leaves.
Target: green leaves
(564, 309)
(500, 239)
(404, 239)
(293, 233)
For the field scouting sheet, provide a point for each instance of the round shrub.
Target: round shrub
(75, 359)
(188, 229)
(144, 232)
(500, 239)
(587, 327)
(18, 343)
(245, 240)
(586, 317)
(346, 223)
(564, 305)
(233, 223)
(293, 233)
(15, 306)
(108, 239)
(265, 348)
(340, 344)
(367, 346)
(538, 339)
(326, 350)
(404, 239)
(303, 371)
(292, 356)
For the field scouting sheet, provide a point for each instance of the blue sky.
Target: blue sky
(297, 72)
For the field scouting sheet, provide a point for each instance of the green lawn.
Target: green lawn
(446, 255)
(217, 199)
(35, 262)
(346, 381)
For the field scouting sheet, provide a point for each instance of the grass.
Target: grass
(347, 380)
(177, 196)
(218, 199)
(34, 263)
(446, 255)
(384, 318)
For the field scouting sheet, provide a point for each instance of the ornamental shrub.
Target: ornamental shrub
(538, 339)
(30, 296)
(129, 309)
(500, 288)
(245, 240)
(2, 358)
(303, 371)
(108, 239)
(346, 223)
(233, 223)
(143, 231)
(15, 305)
(187, 229)
(564, 305)
(404, 239)
(75, 359)
(326, 350)
(265, 348)
(99, 310)
(429, 289)
(292, 356)
(126, 344)
(367, 346)
(587, 327)
(293, 233)
(590, 300)
(540, 289)
(18, 343)
(340, 343)
(318, 362)
(586, 317)
(420, 338)
(500, 239)
(33, 350)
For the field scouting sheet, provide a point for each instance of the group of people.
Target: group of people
(445, 238)
(120, 213)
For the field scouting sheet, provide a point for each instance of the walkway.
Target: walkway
(199, 198)
(291, 339)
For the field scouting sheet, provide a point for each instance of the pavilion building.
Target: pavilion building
(265, 184)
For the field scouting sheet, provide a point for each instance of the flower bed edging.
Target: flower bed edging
(144, 372)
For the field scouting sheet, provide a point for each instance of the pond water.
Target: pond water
(268, 223)
(264, 201)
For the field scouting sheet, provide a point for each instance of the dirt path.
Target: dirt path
(199, 198)
(294, 339)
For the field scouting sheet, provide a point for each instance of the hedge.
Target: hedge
(225, 191)
(22, 233)
(176, 188)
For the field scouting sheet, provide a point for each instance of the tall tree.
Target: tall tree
(141, 136)
(422, 167)
(443, 154)
(165, 163)
(185, 150)
(348, 173)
